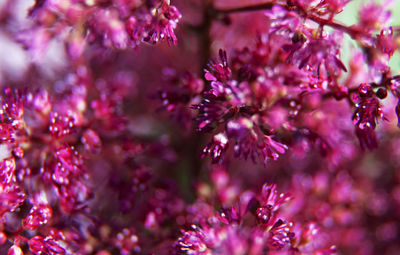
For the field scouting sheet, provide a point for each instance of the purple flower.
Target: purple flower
(45, 245)
(229, 233)
(270, 202)
(216, 148)
(12, 108)
(38, 215)
(386, 41)
(66, 172)
(193, 241)
(270, 197)
(218, 71)
(88, 165)
(281, 236)
(127, 242)
(229, 102)
(15, 250)
(11, 198)
(211, 113)
(116, 24)
(156, 25)
(91, 141)
(60, 125)
(251, 142)
(373, 16)
(106, 22)
(321, 55)
(368, 109)
(11, 194)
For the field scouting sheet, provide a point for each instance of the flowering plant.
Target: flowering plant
(168, 127)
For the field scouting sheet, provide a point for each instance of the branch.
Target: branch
(354, 32)
(257, 7)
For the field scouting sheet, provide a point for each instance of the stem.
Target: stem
(354, 32)
(257, 7)
(193, 161)
(205, 39)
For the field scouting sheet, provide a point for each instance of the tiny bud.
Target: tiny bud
(381, 93)
(18, 152)
(15, 250)
(299, 37)
(38, 215)
(264, 213)
(151, 221)
(3, 238)
(365, 90)
(92, 141)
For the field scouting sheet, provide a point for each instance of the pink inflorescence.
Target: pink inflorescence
(233, 231)
(167, 126)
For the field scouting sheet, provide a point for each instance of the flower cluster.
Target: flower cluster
(252, 226)
(229, 102)
(117, 24)
(149, 126)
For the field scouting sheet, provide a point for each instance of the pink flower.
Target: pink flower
(38, 215)
(373, 16)
(45, 245)
(321, 55)
(368, 109)
(229, 233)
(216, 148)
(60, 125)
(15, 250)
(219, 71)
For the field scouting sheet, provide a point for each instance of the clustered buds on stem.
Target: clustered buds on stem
(226, 232)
